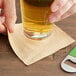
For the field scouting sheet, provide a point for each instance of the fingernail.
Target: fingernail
(55, 8)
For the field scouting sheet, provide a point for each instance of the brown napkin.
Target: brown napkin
(30, 51)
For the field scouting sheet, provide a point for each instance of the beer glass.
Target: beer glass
(35, 15)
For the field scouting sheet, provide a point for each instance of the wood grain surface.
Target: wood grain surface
(10, 65)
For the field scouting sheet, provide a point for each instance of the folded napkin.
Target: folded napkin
(30, 51)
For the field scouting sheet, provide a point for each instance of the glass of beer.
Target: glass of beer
(35, 15)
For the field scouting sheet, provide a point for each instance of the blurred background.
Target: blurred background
(18, 11)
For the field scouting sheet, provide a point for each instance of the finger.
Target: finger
(57, 4)
(56, 15)
(1, 3)
(70, 12)
(2, 19)
(2, 28)
(10, 14)
(74, 1)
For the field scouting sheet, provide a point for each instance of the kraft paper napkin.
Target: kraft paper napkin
(30, 51)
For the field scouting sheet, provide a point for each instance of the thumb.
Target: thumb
(10, 14)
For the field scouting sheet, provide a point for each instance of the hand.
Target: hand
(8, 15)
(62, 9)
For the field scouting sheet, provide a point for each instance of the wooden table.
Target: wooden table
(10, 65)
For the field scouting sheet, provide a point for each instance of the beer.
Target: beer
(35, 18)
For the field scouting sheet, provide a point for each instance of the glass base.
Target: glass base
(36, 35)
